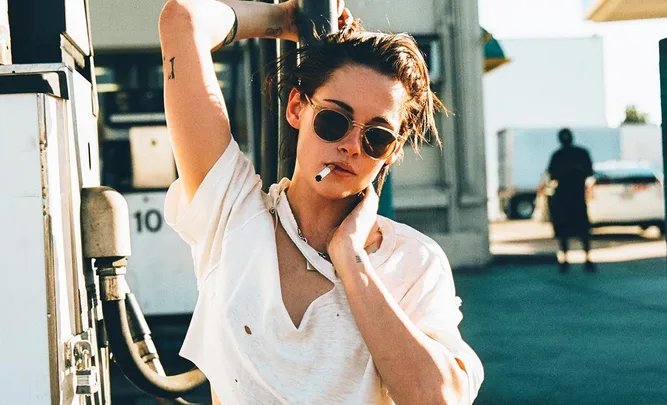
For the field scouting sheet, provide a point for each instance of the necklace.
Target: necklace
(323, 255)
(299, 233)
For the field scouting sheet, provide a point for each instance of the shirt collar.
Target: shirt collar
(281, 207)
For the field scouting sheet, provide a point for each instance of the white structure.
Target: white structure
(548, 83)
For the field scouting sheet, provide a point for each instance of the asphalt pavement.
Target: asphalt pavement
(579, 338)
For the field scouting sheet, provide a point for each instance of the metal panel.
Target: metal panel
(152, 159)
(414, 16)
(125, 24)
(24, 352)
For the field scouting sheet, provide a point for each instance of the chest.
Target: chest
(299, 286)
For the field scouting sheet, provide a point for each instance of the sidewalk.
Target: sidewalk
(547, 338)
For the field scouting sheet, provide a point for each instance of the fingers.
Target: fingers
(344, 15)
(370, 200)
(345, 19)
(341, 7)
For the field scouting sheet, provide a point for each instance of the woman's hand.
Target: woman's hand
(358, 230)
(343, 15)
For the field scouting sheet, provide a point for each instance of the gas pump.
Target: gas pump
(53, 349)
(67, 308)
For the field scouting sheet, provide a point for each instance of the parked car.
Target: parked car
(618, 193)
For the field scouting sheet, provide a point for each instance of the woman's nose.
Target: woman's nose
(351, 143)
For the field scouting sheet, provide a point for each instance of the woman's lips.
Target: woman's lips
(342, 172)
(341, 167)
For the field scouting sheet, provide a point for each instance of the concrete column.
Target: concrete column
(466, 241)
(468, 68)
(446, 125)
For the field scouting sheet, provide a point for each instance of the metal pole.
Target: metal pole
(268, 52)
(285, 163)
(253, 100)
(663, 102)
(317, 16)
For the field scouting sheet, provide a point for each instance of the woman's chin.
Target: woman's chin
(335, 191)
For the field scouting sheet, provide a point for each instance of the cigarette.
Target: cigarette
(321, 175)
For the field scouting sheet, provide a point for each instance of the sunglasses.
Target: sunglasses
(332, 126)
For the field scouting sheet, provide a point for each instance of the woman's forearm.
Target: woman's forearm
(416, 369)
(213, 21)
(264, 20)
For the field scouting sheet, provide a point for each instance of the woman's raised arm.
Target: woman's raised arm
(195, 108)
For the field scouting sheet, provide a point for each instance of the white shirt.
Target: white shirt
(241, 335)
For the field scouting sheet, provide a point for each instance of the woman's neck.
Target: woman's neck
(315, 215)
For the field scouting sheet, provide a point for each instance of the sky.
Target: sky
(631, 62)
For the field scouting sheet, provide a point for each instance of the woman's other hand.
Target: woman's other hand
(343, 15)
(358, 230)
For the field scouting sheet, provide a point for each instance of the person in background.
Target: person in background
(306, 295)
(569, 167)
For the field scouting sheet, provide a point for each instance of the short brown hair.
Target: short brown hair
(394, 55)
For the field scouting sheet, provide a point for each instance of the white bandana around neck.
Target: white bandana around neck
(316, 262)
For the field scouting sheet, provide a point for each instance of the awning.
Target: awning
(619, 10)
(493, 53)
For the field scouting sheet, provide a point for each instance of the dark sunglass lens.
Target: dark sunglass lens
(330, 125)
(378, 142)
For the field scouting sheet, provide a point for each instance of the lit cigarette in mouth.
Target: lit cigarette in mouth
(321, 175)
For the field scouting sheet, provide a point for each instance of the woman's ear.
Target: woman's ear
(294, 107)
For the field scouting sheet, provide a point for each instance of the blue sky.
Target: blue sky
(631, 47)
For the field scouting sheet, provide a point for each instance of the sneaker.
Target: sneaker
(589, 266)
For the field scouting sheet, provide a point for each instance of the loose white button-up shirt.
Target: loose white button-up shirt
(241, 335)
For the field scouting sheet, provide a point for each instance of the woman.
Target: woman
(306, 296)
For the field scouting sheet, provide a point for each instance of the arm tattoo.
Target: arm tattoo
(291, 17)
(357, 258)
(172, 75)
(273, 32)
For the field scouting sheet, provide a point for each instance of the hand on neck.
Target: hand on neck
(315, 215)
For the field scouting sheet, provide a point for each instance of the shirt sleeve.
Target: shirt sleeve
(229, 195)
(432, 305)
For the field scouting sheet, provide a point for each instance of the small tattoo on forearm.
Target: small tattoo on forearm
(172, 75)
(292, 18)
(273, 32)
(357, 258)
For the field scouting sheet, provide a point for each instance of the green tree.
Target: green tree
(632, 116)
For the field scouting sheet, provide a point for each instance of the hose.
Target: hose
(129, 360)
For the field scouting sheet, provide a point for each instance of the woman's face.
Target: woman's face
(366, 97)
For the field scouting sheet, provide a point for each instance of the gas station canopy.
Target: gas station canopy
(494, 56)
(619, 10)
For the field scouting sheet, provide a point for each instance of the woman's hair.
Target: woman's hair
(394, 55)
